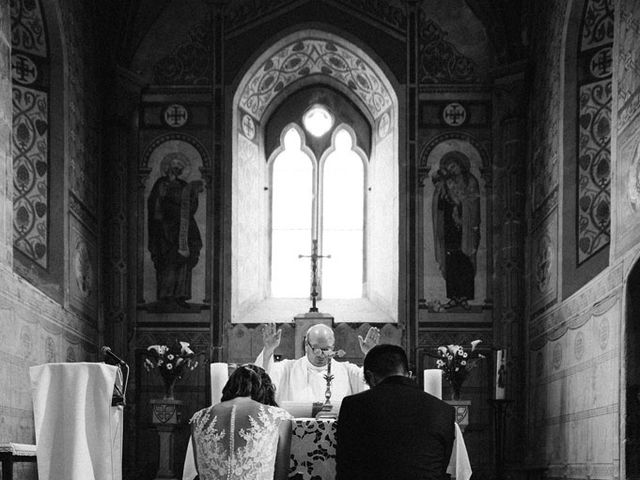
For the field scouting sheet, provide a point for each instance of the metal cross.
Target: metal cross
(314, 272)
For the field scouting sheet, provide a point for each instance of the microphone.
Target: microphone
(107, 352)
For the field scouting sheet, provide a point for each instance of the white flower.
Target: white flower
(442, 351)
(170, 357)
(439, 363)
(460, 350)
(463, 362)
(465, 355)
(474, 344)
(169, 366)
(160, 349)
(452, 348)
(457, 369)
(184, 349)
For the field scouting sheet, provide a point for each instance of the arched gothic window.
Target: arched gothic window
(322, 201)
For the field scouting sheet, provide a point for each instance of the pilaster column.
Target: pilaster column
(6, 158)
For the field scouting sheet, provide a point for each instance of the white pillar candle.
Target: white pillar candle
(501, 374)
(219, 376)
(433, 382)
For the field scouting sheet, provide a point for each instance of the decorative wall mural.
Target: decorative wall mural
(440, 61)
(175, 227)
(29, 73)
(594, 128)
(174, 236)
(456, 226)
(190, 63)
(83, 270)
(454, 222)
(543, 261)
(309, 56)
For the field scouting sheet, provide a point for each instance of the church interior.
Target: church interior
(475, 176)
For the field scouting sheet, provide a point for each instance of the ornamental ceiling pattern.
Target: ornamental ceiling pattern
(314, 56)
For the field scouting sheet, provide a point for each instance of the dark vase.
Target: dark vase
(455, 389)
(169, 386)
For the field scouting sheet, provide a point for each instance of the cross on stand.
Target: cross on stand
(314, 272)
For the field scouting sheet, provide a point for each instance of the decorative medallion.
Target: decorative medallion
(164, 412)
(26, 341)
(50, 350)
(176, 115)
(383, 125)
(557, 356)
(23, 69)
(454, 114)
(578, 346)
(600, 64)
(544, 260)
(82, 269)
(633, 181)
(248, 127)
(604, 333)
(71, 354)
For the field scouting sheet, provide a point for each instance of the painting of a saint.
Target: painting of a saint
(456, 226)
(174, 236)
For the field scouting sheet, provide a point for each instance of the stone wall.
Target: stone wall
(34, 328)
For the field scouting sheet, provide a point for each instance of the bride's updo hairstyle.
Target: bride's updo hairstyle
(250, 381)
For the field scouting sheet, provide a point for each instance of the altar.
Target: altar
(313, 452)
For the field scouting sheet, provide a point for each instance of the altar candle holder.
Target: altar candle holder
(326, 410)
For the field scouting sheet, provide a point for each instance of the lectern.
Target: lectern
(78, 431)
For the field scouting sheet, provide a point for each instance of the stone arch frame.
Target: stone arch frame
(309, 56)
(143, 176)
(482, 172)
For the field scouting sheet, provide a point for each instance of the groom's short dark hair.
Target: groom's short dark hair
(386, 359)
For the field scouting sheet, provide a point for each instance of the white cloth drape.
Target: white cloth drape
(78, 432)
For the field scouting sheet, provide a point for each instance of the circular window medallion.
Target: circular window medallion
(176, 115)
(454, 114)
(248, 127)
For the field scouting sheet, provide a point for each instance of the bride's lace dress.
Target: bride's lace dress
(237, 441)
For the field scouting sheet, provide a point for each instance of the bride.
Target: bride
(245, 436)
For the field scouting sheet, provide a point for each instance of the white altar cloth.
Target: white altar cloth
(78, 432)
(306, 435)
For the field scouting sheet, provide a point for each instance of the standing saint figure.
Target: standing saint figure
(174, 237)
(456, 226)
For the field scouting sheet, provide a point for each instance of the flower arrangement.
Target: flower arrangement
(172, 362)
(456, 363)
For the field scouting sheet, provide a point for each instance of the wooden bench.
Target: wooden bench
(15, 452)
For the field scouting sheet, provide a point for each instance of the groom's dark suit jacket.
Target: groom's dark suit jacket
(394, 431)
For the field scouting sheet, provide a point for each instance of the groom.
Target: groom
(394, 430)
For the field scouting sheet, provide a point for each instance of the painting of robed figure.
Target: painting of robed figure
(174, 239)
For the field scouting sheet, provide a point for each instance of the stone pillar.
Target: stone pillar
(408, 206)
(509, 173)
(219, 165)
(6, 158)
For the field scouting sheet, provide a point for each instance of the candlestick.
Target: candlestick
(219, 375)
(433, 382)
(501, 374)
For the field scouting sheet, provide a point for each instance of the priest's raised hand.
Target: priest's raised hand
(371, 340)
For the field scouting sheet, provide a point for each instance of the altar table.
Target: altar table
(313, 452)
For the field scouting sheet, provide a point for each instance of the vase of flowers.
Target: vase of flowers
(173, 362)
(455, 363)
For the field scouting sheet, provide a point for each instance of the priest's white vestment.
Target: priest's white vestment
(300, 381)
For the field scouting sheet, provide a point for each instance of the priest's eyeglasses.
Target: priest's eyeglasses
(319, 350)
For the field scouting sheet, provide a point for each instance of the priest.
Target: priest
(303, 380)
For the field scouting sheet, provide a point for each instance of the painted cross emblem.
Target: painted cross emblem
(23, 69)
(454, 114)
(600, 65)
(176, 115)
(248, 127)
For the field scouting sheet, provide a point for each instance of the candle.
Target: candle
(219, 376)
(433, 382)
(501, 374)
